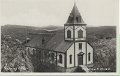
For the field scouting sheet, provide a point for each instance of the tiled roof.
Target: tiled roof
(55, 43)
(36, 41)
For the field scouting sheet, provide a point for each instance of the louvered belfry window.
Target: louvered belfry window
(68, 34)
(80, 34)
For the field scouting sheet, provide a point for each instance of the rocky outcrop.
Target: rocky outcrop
(14, 57)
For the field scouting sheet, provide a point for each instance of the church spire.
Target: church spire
(75, 16)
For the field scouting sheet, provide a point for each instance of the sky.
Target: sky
(55, 12)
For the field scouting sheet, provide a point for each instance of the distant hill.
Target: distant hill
(102, 31)
(21, 32)
(52, 27)
(16, 31)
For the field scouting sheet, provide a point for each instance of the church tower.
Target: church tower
(75, 31)
(75, 28)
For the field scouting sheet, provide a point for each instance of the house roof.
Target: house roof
(36, 41)
(75, 16)
(55, 43)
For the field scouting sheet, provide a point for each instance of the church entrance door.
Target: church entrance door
(80, 58)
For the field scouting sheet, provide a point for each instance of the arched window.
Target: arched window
(80, 34)
(60, 58)
(68, 34)
(89, 56)
(52, 56)
(70, 59)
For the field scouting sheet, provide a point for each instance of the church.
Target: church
(67, 48)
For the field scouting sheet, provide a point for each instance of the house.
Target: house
(68, 48)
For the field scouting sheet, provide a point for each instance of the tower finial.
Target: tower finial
(74, 3)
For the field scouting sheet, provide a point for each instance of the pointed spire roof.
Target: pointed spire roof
(75, 17)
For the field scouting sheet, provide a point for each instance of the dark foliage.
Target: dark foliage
(13, 56)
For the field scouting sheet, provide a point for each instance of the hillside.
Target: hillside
(105, 54)
(21, 32)
(103, 39)
(14, 58)
(103, 32)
